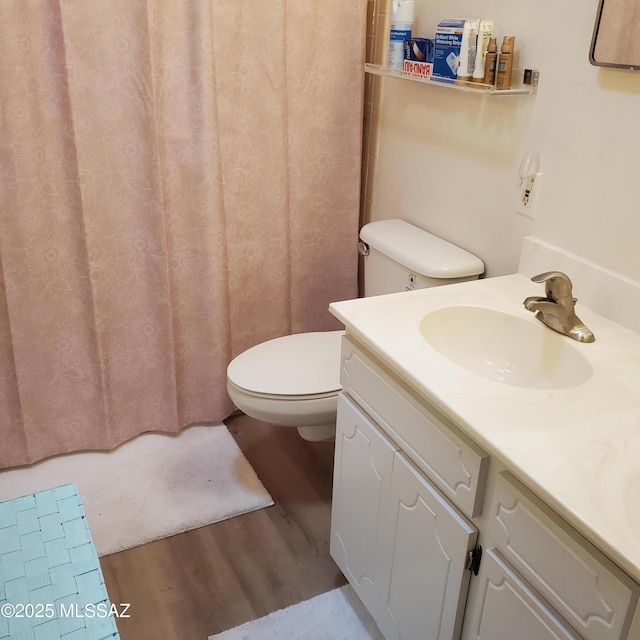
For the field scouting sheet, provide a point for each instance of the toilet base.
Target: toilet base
(318, 433)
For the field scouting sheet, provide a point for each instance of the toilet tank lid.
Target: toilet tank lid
(420, 251)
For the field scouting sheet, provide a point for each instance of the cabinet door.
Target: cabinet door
(361, 483)
(509, 610)
(428, 542)
(577, 580)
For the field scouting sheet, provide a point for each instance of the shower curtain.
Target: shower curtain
(178, 181)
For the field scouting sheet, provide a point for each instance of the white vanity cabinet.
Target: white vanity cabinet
(568, 575)
(402, 546)
(401, 543)
(413, 500)
(508, 609)
(361, 490)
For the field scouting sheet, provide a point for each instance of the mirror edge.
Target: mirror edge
(592, 48)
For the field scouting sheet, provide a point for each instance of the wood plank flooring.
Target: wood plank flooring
(202, 582)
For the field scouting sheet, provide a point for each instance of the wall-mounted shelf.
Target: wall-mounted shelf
(475, 87)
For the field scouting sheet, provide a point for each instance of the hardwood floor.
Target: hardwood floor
(202, 582)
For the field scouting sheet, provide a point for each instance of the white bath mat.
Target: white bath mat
(335, 615)
(151, 487)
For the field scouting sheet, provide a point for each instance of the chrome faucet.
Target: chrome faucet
(556, 309)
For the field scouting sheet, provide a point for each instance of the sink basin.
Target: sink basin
(505, 348)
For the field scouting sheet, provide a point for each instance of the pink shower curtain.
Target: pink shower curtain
(178, 181)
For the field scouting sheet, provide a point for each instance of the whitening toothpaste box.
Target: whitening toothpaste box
(418, 58)
(446, 54)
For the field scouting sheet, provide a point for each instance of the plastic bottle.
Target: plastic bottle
(505, 63)
(401, 25)
(490, 59)
(485, 31)
(467, 57)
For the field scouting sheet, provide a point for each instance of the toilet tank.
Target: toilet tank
(402, 257)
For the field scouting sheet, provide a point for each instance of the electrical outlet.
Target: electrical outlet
(526, 204)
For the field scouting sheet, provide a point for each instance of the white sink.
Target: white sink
(505, 348)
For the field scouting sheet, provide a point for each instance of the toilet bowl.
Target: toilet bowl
(295, 380)
(290, 381)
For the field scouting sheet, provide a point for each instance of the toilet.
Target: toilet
(295, 380)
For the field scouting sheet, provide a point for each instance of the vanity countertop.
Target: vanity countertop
(578, 448)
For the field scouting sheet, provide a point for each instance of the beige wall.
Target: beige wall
(448, 161)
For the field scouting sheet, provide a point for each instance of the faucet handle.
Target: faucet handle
(557, 284)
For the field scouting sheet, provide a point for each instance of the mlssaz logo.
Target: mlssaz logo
(100, 610)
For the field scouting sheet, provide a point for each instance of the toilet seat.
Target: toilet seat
(302, 366)
(276, 397)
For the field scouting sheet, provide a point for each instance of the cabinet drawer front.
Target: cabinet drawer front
(510, 610)
(455, 464)
(594, 596)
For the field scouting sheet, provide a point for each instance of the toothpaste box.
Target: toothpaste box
(447, 45)
(418, 58)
